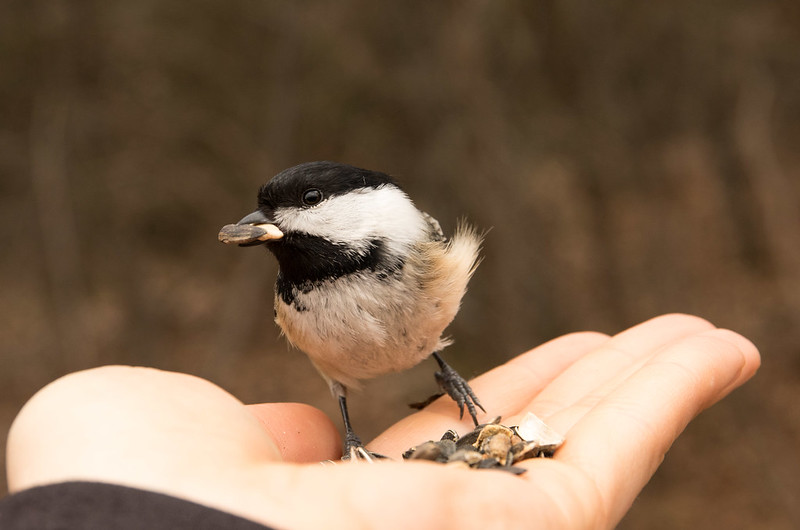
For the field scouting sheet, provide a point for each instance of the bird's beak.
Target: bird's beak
(252, 229)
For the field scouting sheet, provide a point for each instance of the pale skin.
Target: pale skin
(621, 401)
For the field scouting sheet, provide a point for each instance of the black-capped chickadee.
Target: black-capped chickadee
(367, 283)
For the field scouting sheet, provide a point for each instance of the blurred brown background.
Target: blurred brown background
(633, 159)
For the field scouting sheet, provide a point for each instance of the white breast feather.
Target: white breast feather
(380, 326)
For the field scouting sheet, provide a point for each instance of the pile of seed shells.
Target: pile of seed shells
(492, 446)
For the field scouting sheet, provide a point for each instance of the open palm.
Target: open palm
(620, 401)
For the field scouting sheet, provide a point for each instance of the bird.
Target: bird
(366, 283)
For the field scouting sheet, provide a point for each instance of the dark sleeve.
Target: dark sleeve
(98, 506)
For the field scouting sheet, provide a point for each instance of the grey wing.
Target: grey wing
(435, 228)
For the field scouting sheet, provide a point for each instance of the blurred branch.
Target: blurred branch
(52, 194)
(773, 189)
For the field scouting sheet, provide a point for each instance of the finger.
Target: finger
(752, 357)
(621, 440)
(509, 388)
(564, 419)
(301, 432)
(620, 356)
(502, 390)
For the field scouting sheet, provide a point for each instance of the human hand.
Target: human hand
(620, 402)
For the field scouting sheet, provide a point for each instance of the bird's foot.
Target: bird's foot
(457, 388)
(355, 451)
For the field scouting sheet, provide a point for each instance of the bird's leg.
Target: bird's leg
(457, 388)
(353, 446)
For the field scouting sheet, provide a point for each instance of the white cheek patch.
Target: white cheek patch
(357, 217)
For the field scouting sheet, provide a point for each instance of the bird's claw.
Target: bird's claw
(355, 451)
(457, 388)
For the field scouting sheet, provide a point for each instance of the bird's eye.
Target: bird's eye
(312, 197)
